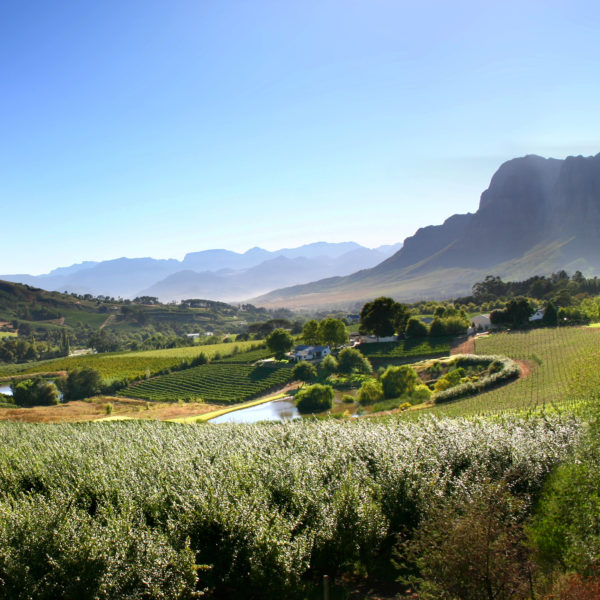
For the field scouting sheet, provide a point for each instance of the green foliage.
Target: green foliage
(384, 353)
(370, 392)
(415, 328)
(134, 364)
(397, 381)
(310, 332)
(566, 528)
(550, 318)
(332, 332)
(34, 392)
(472, 547)
(351, 360)
(328, 366)
(127, 509)
(304, 371)
(80, 383)
(280, 342)
(453, 325)
(383, 317)
(220, 383)
(314, 398)
(421, 394)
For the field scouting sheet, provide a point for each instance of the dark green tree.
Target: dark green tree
(304, 371)
(35, 392)
(280, 342)
(383, 317)
(81, 382)
(314, 398)
(332, 332)
(415, 328)
(550, 318)
(350, 360)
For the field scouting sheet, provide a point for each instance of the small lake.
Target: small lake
(5, 389)
(276, 410)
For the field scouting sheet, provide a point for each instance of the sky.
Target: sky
(157, 128)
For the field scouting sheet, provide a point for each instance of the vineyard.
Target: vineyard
(562, 365)
(218, 383)
(131, 364)
(382, 353)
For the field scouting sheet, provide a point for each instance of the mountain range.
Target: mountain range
(537, 216)
(214, 274)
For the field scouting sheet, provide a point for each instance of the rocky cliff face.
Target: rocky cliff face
(530, 201)
(538, 215)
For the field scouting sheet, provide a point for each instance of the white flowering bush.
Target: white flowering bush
(156, 510)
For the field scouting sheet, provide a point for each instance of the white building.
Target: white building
(309, 353)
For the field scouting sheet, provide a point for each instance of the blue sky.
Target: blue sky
(159, 128)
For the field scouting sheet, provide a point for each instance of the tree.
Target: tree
(550, 318)
(415, 328)
(304, 371)
(314, 398)
(310, 332)
(81, 382)
(280, 342)
(350, 360)
(377, 317)
(370, 392)
(397, 381)
(35, 392)
(332, 332)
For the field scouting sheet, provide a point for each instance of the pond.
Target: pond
(5, 389)
(276, 410)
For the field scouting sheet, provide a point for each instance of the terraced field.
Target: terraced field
(130, 364)
(562, 367)
(218, 383)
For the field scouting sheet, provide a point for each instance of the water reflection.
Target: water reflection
(5, 389)
(276, 410)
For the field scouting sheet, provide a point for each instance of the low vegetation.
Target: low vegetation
(154, 510)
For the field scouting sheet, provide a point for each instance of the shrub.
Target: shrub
(315, 398)
(421, 394)
(328, 365)
(397, 381)
(348, 399)
(415, 328)
(350, 360)
(473, 548)
(370, 392)
(304, 371)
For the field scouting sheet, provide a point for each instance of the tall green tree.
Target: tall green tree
(310, 332)
(383, 317)
(332, 332)
(280, 342)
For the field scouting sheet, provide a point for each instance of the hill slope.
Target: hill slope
(537, 216)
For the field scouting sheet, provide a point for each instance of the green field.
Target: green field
(4, 334)
(129, 364)
(218, 383)
(565, 373)
(382, 353)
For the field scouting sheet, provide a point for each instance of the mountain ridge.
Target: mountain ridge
(538, 215)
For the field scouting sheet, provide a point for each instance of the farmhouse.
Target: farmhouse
(309, 352)
(481, 323)
(538, 315)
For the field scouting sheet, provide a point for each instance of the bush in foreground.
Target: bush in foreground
(315, 398)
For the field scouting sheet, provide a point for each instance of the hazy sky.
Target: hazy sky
(147, 128)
